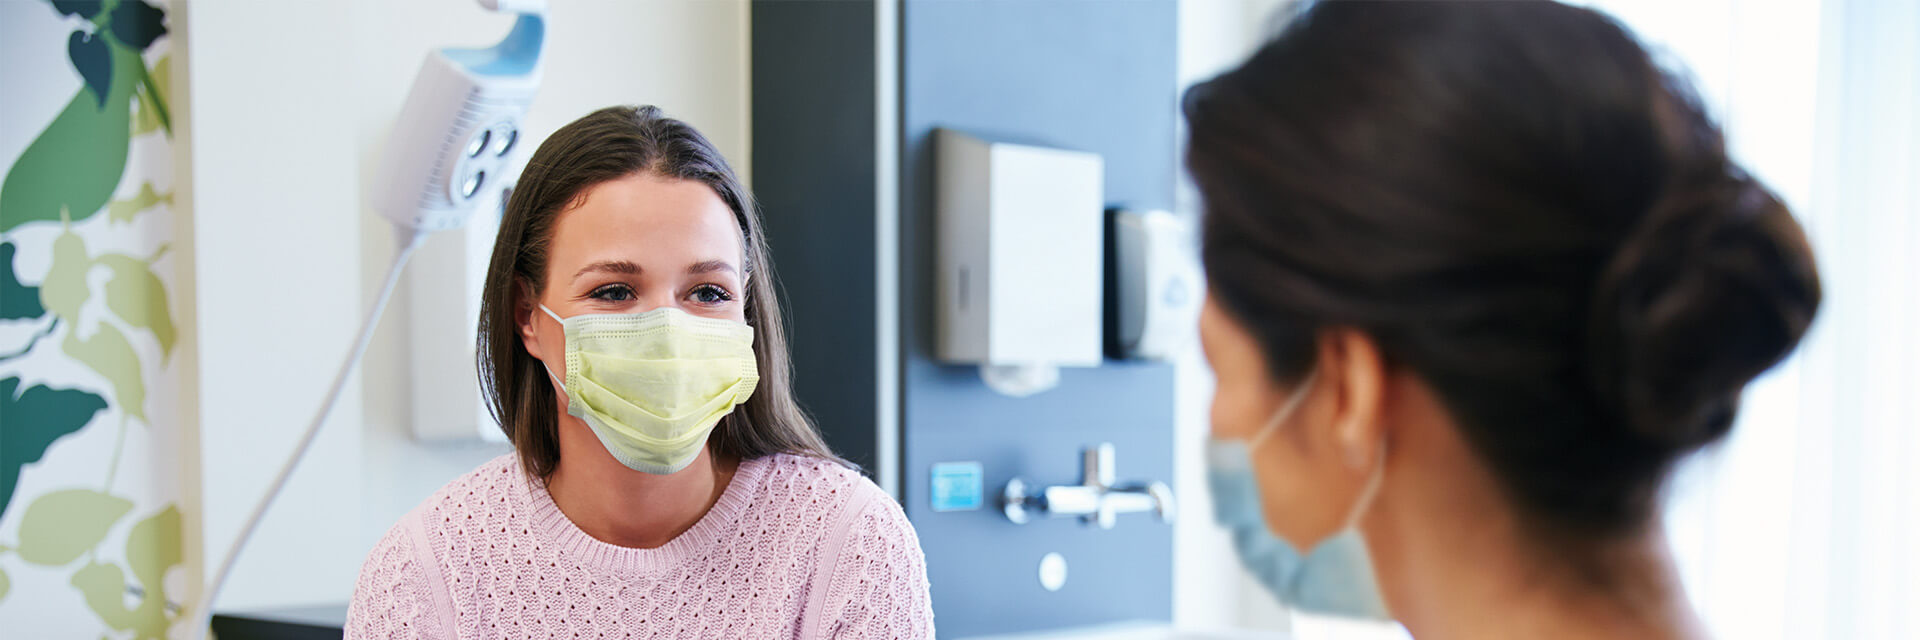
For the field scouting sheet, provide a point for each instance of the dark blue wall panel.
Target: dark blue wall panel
(813, 171)
(1089, 75)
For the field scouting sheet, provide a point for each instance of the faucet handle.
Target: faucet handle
(1097, 500)
(1162, 501)
(1015, 502)
(1096, 466)
(1106, 511)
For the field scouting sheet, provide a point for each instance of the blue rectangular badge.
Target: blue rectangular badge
(958, 486)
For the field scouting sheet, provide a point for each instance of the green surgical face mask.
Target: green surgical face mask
(652, 385)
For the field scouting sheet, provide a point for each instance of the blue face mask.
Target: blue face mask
(1334, 578)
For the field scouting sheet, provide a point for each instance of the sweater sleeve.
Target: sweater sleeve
(395, 595)
(879, 587)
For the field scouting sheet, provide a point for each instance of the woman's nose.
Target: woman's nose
(652, 301)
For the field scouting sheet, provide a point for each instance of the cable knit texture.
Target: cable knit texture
(796, 547)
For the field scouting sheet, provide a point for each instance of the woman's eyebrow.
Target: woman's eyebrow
(624, 267)
(710, 266)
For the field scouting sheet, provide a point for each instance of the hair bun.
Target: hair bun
(1713, 286)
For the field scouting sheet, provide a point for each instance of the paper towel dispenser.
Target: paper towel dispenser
(1020, 259)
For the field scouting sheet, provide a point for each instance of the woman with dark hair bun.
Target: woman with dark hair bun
(1480, 274)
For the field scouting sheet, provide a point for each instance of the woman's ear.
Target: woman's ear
(525, 309)
(1355, 370)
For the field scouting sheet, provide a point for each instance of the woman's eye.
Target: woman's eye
(612, 293)
(710, 294)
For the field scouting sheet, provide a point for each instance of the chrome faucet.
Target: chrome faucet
(1096, 500)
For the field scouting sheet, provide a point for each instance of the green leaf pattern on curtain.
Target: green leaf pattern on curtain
(17, 301)
(77, 161)
(66, 175)
(61, 526)
(33, 420)
(152, 547)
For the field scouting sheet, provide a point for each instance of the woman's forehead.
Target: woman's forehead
(648, 220)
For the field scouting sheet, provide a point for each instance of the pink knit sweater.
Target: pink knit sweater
(795, 548)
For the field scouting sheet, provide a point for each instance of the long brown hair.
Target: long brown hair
(608, 144)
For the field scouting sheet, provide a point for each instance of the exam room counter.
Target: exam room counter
(326, 622)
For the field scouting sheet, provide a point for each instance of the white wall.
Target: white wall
(1210, 591)
(291, 104)
(1209, 588)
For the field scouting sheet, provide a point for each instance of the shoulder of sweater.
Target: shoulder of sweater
(394, 544)
(882, 516)
(485, 487)
(790, 475)
(795, 471)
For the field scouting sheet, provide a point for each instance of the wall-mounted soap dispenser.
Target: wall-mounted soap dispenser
(1156, 288)
(1020, 259)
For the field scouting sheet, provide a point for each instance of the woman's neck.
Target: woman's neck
(1475, 587)
(1455, 561)
(623, 507)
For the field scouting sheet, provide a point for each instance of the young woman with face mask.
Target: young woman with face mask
(1480, 274)
(663, 483)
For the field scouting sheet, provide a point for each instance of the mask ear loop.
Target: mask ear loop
(1375, 479)
(562, 386)
(1293, 403)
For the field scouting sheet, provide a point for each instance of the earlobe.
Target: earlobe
(1356, 453)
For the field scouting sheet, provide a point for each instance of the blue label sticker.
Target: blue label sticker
(958, 486)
